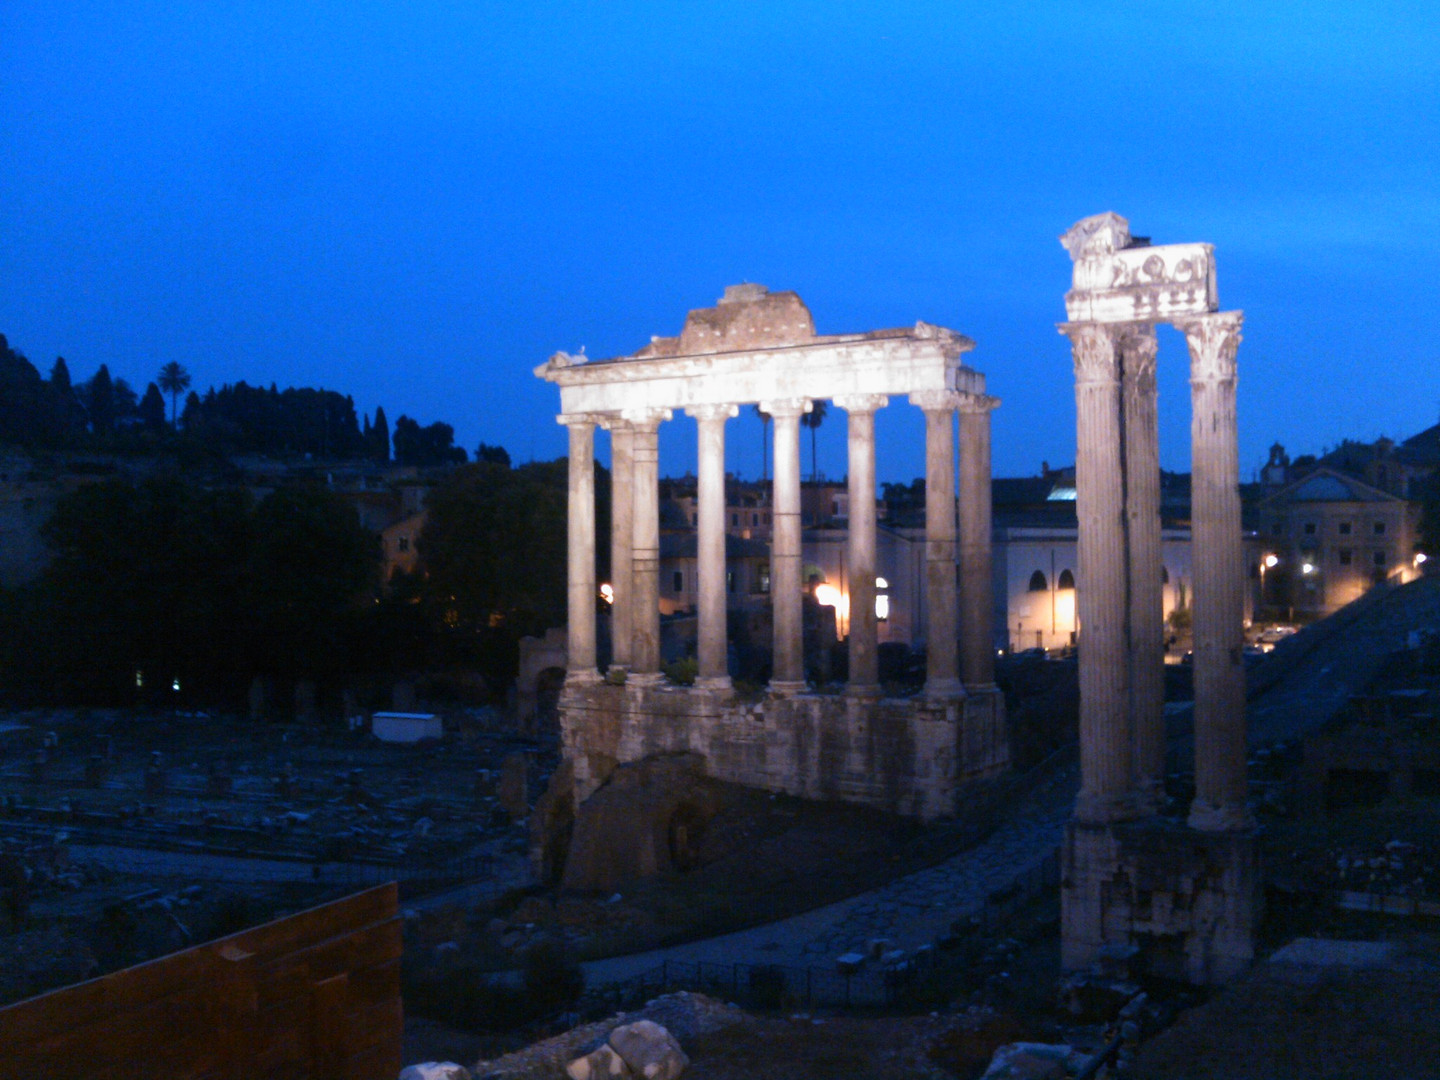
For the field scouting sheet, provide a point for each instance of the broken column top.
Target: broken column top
(1123, 278)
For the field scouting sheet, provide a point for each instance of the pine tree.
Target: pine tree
(101, 397)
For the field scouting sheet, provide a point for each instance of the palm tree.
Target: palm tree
(764, 442)
(174, 380)
(813, 419)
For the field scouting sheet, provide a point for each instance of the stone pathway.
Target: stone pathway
(911, 911)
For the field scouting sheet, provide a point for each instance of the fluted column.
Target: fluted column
(977, 664)
(645, 550)
(710, 544)
(788, 674)
(942, 658)
(864, 679)
(1215, 544)
(622, 539)
(1142, 521)
(580, 545)
(1101, 597)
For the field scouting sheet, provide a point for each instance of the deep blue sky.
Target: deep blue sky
(416, 203)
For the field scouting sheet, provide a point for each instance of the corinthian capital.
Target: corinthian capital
(1213, 340)
(1097, 360)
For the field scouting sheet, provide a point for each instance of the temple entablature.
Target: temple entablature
(756, 346)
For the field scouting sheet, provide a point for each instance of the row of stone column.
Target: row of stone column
(635, 544)
(1117, 479)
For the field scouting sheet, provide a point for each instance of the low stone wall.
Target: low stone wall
(904, 755)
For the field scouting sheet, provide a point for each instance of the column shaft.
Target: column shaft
(977, 599)
(622, 539)
(710, 544)
(942, 656)
(788, 674)
(860, 409)
(1101, 597)
(1142, 522)
(580, 534)
(1216, 551)
(645, 550)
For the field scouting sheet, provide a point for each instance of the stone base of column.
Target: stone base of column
(1207, 817)
(1102, 810)
(783, 688)
(618, 673)
(944, 690)
(1189, 901)
(583, 677)
(644, 678)
(865, 691)
(715, 684)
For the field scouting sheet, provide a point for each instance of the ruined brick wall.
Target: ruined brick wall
(905, 756)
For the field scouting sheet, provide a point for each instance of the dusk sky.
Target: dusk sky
(417, 203)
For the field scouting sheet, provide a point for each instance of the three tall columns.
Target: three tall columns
(1117, 477)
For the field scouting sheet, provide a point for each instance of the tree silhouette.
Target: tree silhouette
(813, 419)
(152, 408)
(174, 380)
(764, 442)
(101, 399)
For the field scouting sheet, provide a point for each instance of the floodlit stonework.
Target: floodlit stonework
(911, 756)
(1129, 877)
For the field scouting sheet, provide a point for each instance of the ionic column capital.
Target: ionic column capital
(713, 412)
(1097, 360)
(862, 403)
(582, 419)
(978, 403)
(1213, 340)
(787, 408)
(937, 400)
(647, 419)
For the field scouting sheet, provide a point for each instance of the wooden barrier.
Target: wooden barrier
(315, 996)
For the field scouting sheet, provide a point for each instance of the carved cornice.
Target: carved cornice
(853, 403)
(1093, 345)
(713, 412)
(787, 408)
(1213, 340)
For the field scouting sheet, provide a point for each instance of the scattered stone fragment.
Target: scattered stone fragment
(1032, 1061)
(600, 1063)
(435, 1070)
(650, 1050)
